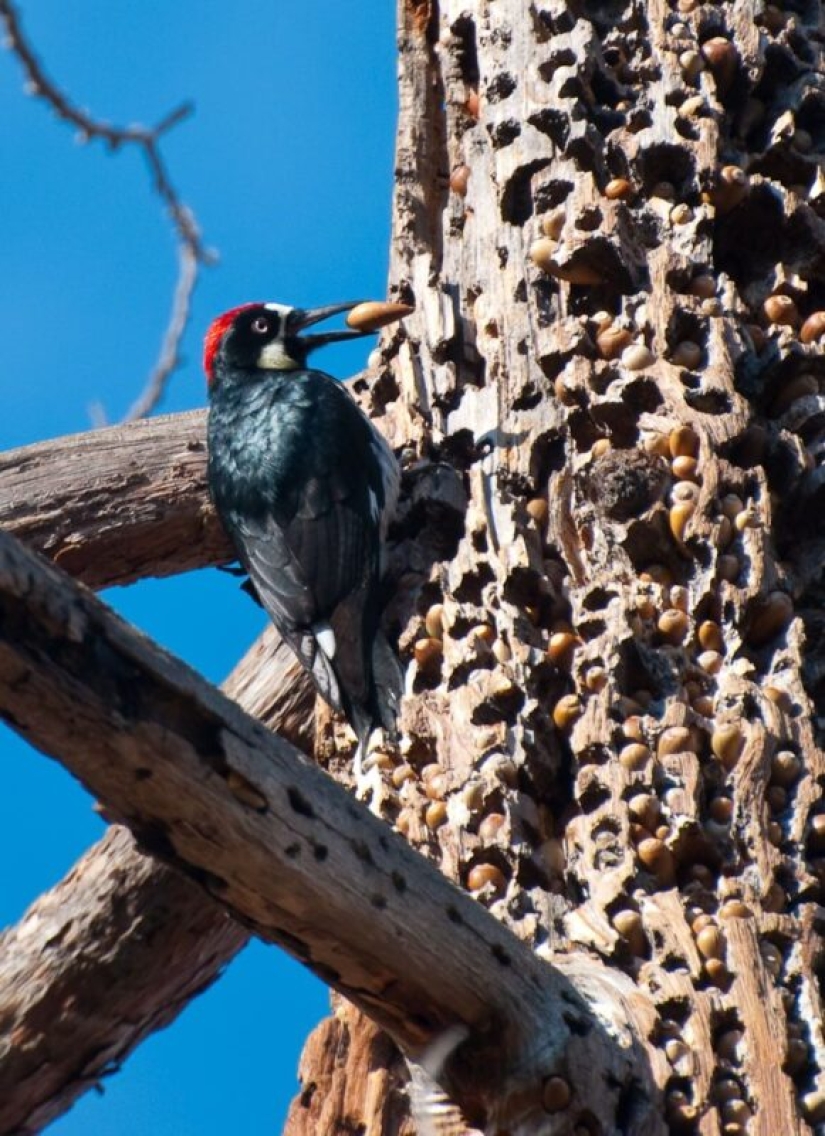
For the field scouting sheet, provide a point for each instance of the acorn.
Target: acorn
(691, 63)
(637, 356)
(781, 309)
(686, 354)
(434, 621)
(401, 774)
(634, 756)
(703, 286)
(542, 253)
(486, 875)
(472, 105)
(428, 652)
(595, 679)
(490, 826)
(612, 341)
(735, 909)
(722, 58)
(709, 634)
(786, 768)
(770, 615)
(813, 328)
(553, 223)
(710, 662)
(711, 942)
(460, 180)
(561, 648)
(537, 510)
(673, 625)
(629, 925)
(679, 516)
(683, 441)
(618, 189)
(374, 314)
(566, 711)
(727, 742)
(675, 739)
(732, 187)
(435, 814)
(728, 567)
(685, 468)
(658, 859)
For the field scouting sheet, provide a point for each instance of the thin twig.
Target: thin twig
(192, 253)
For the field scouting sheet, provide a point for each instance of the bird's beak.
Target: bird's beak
(301, 318)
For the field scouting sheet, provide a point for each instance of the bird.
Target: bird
(305, 486)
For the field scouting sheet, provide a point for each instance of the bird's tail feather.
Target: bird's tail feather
(388, 684)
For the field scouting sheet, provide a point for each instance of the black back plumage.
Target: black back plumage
(302, 481)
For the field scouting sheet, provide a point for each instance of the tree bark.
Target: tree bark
(609, 222)
(112, 506)
(293, 857)
(119, 947)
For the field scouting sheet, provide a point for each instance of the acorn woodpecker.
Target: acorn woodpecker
(305, 487)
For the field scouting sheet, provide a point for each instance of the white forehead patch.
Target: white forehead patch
(282, 309)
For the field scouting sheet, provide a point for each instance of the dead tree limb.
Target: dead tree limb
(112, 506)
(120, 946)
(300, 863)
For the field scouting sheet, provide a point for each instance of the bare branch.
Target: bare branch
(169, 358)
(112, 506)
(301, 863)
(193, 252)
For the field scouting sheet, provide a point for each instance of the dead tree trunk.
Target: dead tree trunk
(609, 220)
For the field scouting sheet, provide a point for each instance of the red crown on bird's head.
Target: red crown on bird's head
(212, 341)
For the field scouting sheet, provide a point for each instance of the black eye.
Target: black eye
(260, 325)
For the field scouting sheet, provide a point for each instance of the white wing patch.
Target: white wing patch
(325, 638)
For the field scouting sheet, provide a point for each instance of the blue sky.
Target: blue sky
(287, 164)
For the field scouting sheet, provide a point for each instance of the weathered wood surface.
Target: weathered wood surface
(114, 505)
(117, 949)
(294, 858)
(610, 223)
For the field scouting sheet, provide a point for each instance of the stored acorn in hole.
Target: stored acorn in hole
(553, 223)
(618, 189)
(629, 925)
(428, 652)
(722, 58)
(637, 356)
(484, 875)
(769, 616)
(727, 742)
(612, 341)
(460, 180)
(781, 309)
(732, 187)
(673, 625)
(537, 510)
(567, 711)
(813, 328)
(686, 354)
(679, 516)
(561, 648)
